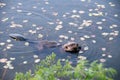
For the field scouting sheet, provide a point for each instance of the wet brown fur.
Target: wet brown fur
(71, 47)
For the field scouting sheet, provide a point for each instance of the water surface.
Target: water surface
(93, 24)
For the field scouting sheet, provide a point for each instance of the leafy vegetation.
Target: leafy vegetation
(49, 69)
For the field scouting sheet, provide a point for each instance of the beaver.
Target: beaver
(72, 47)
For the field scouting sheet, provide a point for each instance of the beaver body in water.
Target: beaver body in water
(72, 47)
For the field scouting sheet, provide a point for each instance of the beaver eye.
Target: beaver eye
(66, 47)
(77, 44)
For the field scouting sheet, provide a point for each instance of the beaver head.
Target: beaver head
(72, 47)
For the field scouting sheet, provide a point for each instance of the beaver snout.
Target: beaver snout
(75, 49)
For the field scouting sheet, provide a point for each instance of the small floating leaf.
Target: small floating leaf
(3, 60)
(25, 62)
(37, 61)
(26, 43)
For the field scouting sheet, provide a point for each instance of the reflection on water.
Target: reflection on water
(93, 24)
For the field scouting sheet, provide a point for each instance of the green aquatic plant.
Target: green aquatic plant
(51, 69)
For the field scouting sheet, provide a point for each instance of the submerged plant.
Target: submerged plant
(50, 69)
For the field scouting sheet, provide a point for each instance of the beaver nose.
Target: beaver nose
(75, 49)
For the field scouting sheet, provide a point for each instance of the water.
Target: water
(93, 24)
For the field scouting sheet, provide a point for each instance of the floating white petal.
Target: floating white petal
(37, 61)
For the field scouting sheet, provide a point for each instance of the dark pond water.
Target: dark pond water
(94, 24)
